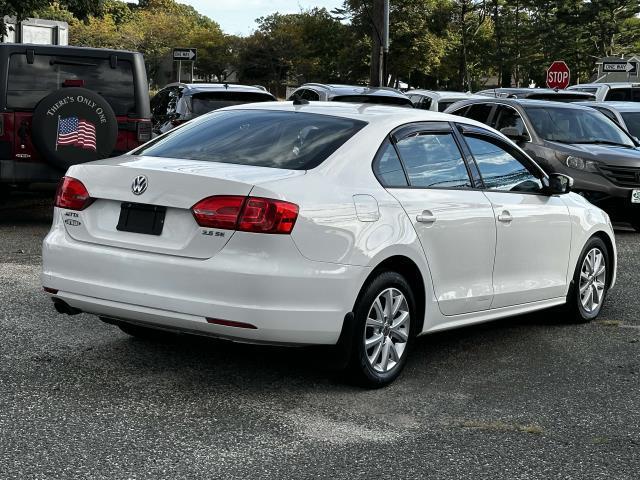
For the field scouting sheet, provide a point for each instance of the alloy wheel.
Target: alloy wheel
(386, 330)
(592, 280)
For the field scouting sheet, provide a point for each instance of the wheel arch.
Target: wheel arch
(608, 241)
(406, 267)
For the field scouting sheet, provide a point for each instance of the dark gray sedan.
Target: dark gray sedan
(603, 159)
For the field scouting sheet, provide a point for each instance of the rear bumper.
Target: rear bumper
(289, 299)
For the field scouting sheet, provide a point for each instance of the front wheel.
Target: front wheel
(590, 282)
(384, 321)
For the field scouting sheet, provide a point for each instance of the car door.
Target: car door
(453, 220)
(533, 229)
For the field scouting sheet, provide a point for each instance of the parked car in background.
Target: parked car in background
(610, 92)
(66, 105)
(572, 139)
(537, 94)
(625, 114)
(361, 226)
(177, 103)
(350, 93)
(436, 100)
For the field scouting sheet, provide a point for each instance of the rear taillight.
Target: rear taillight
(72, 195)
(143, 130)
(246, 214)
(218, 212)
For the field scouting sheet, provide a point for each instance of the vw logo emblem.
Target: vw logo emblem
(139, 185)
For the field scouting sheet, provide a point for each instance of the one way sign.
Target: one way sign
(629, 67)
(185, 54)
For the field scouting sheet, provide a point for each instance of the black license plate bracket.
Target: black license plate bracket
(141, 218)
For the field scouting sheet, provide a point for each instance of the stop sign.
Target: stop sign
(558, 75)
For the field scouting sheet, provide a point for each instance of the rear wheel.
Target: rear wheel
(384, 318)
(590, 282)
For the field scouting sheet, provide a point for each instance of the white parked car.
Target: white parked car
(437, 100)
(354, 225)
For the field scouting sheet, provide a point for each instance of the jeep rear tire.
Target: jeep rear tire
(73, 125)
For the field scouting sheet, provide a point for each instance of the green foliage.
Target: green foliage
(453, 44)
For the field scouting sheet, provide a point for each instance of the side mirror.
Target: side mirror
(557, 184)
(514, 134)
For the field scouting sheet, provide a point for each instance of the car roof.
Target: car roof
(190, 88)
(527, 91)
(619, 106)
(607, 84)
(383, 115)
(63, 49)
(524, 102)
(442, 94)
(336, 90)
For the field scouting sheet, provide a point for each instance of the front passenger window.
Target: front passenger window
(500, 170)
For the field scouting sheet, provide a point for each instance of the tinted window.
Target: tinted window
(421, 101)
(159, 103)
(479, 112)
(607, 113)
(388, 168)
(618, 94)
(379, 99)
(29, 83)
(499, 169)
(309, 95)
(632, 120)
(294, 140)
(433, 160)
(444, 104)
(508, 117)
(208, 101)
(573, 125)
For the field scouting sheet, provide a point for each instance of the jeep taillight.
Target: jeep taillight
(143, 130)
(72, 194)
(246, 214)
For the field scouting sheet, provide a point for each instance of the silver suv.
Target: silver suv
(350, 93)
(611, 92)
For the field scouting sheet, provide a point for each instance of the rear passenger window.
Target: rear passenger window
(434, 160)
(388, 168)
(479, 112)
(500, 170)
(509, 118)
(618, 94)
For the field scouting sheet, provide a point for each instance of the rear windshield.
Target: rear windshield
(632, 120)
(379, 99)
(291, 140)
(29, 83)
(572, 125)
(206, 102)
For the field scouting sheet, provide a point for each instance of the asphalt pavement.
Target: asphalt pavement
(524, 398)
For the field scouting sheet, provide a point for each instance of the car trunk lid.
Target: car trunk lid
(173, 186)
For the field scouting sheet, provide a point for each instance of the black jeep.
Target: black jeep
(65, 105)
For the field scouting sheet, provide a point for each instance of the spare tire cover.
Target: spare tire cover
(73, 125)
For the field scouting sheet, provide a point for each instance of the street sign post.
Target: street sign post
(185, 55)
(631, 68)
(558, 75)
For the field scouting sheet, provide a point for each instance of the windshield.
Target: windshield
(632, 120)
(573, 125)
(206, 102)
(291, 140)
(379, 99)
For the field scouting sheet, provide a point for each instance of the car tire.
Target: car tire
(385, 320)
(587, 281)
(143, 333)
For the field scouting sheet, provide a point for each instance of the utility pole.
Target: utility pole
(385, 43)
(377, 40)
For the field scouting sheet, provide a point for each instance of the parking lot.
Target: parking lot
(530, 397)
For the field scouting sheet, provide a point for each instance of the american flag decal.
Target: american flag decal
(76, 132)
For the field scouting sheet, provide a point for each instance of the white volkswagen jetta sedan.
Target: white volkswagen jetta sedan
(360, 226)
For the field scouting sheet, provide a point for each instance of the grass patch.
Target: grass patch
(499, 426)
(609, 323)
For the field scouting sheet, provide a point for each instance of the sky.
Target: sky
(237, 17)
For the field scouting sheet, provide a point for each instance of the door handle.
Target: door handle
(425, 217)
(505, 217)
